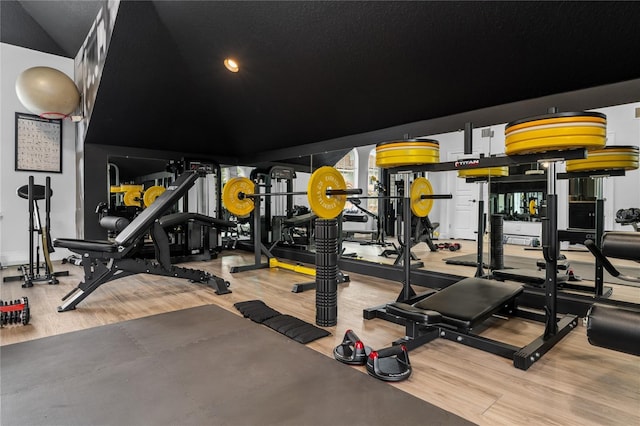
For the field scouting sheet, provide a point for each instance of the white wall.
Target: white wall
(14, 220)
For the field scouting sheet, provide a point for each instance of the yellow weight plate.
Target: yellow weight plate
(556, 132)
(115, 189)
(405, 144)
(325, 206)
(132, 198)
(405, 161)
(151, 194)
(609, 158)
(402, 153)
(484, 172)
(557, 143)
(556, 120)
(603, 165)
(231, 196)
(424, 152)
(550, 132)
(419, 207)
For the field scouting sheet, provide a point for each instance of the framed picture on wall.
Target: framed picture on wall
(38, 144)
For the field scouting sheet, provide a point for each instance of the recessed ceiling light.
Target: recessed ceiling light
(231, 65)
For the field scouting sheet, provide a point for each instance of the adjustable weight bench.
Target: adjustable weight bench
(613, 327)
(104, 261)
(455, 311)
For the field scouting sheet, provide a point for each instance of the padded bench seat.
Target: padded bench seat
(86, 245)
(463, 304)
(527, 276)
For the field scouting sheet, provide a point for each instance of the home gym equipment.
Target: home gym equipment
(629, 216)
(351, 351)
(614, 157)
(454, 311)
(292, 327)
(48, 92)
(406, 153)
(104, 261)
(424, 232)
(41, 233)
(326, 272)
(609, 326)
(14, 312)
(326, 194)
(555, 132)
(390, 364)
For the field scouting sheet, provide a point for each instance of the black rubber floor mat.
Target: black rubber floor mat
(256, 310)
(292, 327)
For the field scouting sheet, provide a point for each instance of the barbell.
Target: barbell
(326, 193)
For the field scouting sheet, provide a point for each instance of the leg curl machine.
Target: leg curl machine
(104, 261)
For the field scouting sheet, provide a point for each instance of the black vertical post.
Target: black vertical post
(550, 251)
(407, 290)
(31, 212)
(47, 202)
(479, 243)
(257, 231)
(599, 278)
(468, 138)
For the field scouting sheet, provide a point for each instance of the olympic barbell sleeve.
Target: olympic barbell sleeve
(329, 192)
(436, 196)
(356, 191)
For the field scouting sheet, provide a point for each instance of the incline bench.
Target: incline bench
(104, 261)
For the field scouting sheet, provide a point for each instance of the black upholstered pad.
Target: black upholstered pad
(470, 301)
(86, 245)
(622, 245)
(39, 192)
(297, 220)
(527, 276)
(180, 218)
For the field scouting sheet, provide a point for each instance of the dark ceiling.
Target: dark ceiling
(317, 74)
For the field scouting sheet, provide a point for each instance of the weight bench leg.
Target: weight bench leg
(92, 280)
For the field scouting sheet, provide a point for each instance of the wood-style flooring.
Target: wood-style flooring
(574, 384)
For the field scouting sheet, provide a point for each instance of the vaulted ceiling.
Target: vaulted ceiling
(329, 75)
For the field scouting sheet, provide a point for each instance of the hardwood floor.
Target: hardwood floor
(574, 384)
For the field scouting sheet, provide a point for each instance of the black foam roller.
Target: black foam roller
(497, 246)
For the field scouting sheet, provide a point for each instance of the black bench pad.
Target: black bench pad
(621, 245)
(527, 276)
(86, 245)
(180, 218)
(470, 301)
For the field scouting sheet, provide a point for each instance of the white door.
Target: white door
(465, 203)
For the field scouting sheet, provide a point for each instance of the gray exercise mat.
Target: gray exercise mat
(202, 366)
(584, 270)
